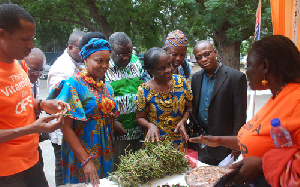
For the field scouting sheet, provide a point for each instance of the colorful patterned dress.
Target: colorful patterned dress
(165, 110)
(94, 113)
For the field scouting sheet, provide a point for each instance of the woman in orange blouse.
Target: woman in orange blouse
(273, 63)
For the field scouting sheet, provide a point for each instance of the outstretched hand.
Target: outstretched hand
(212, 141)
(54, 106)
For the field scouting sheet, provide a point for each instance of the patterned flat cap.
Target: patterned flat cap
(176, 38)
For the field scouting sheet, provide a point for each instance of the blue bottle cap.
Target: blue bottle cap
(275, 122)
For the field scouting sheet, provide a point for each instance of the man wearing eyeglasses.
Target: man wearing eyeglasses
(125, 77)
(35, 62)
(63, 68)
(219, 102)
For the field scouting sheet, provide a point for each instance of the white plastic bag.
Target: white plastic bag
(227, 161)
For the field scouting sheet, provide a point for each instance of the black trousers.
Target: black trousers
(32, 177)
(58, 168)
(41, 161)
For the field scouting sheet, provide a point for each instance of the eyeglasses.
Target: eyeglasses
(122, 55)
(34, 71)
(206, 54)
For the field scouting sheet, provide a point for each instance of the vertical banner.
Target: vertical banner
(285, 18)
(251, 93)
(258, 22)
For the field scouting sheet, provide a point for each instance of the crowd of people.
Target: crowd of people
(103, 101)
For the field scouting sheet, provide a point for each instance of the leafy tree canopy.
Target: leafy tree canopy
(147, 22)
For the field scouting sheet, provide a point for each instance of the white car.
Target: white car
(45, 74)
(50, 57)
(243, 62)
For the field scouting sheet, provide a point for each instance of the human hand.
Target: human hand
(42, 125)
(153, 133)
(235, 154)
(54, 106)
(212, 141)
(119, 129)
(250, 169)
(90, 173)
(180, 126)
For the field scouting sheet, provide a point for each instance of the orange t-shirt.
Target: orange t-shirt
(254, 137)
(16, 110)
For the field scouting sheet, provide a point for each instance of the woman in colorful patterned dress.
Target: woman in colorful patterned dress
(87, 146)
(162, 102)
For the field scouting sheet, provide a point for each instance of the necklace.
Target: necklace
(280, 89)
(90, 80)
(158, 87)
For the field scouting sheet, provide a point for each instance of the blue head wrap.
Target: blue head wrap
(95, 44)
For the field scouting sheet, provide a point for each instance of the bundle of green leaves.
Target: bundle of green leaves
(154, 161)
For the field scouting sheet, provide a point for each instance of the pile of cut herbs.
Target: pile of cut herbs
(153, 162)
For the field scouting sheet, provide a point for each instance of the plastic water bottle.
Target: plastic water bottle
(280, 135)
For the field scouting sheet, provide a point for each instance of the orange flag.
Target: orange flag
(285, 18)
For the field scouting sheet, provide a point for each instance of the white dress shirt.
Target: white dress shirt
(63, 68)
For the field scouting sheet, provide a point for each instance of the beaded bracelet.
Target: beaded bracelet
(185, 118)
(88, 159)
(39, 105)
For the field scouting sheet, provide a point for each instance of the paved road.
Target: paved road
(48, 154)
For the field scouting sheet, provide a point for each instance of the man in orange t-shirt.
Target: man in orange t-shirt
(18, 129)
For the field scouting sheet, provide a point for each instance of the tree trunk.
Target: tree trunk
(228, 52)
(101, 20)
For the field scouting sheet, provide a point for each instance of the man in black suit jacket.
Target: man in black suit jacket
(220, 100)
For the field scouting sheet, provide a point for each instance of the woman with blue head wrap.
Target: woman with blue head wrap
(87, 147)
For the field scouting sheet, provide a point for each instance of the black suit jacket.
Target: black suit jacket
(228, 105)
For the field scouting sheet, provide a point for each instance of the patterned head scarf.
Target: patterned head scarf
(176, 38)
(95, 44)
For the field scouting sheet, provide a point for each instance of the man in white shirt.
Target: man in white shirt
(63, 68)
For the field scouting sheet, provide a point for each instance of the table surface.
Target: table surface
(169, 179)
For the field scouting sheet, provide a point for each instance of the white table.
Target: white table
(169, 179)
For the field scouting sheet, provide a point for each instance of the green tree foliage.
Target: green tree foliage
(147, 22)
(228, 23)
